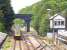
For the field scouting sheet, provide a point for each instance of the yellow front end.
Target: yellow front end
(18, 34)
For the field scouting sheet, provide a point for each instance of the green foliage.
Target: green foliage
(2, 28)
(19, 21)
(40, 20)
(6, 15)
(44, 25)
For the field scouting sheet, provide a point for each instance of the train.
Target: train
(17, 32)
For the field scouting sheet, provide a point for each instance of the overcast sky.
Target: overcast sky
(19, 4)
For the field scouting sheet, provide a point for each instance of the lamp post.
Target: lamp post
(49, 10)
(53, 34)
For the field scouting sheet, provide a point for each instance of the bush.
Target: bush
(2, 28)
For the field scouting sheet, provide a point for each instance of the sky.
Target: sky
(19, 4)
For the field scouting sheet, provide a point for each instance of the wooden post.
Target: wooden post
(53, 36)
(57, 38)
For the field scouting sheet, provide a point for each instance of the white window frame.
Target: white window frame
(58, 23)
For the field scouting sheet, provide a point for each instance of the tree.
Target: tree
(7, 14)
(40, 20)
(44, 25)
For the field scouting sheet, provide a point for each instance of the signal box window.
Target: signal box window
(62, 22)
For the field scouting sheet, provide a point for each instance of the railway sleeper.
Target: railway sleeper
(43, 47)
(40, 47)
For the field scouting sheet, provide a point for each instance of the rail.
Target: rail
(15, 45)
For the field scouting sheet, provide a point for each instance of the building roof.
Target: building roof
(52, 17)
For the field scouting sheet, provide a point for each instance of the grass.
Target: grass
(7, 44)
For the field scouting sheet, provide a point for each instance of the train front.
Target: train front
(17, 32)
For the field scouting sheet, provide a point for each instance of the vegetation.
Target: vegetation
(19, 21)
(40, 19)
(7, 44)
(6, 15)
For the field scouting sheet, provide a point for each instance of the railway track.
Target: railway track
(41, 45)
(28, 44)
(49, 46)
(19, 43)
(23, 44)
